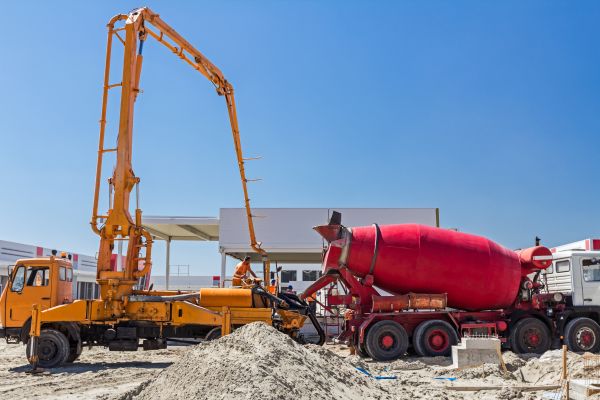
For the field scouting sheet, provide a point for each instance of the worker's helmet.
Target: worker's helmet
(273, 281)
(290, 287)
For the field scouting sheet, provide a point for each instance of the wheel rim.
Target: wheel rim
(586, 338)
(47, 350)
(438, 340)
(387, 341)
(532, 338)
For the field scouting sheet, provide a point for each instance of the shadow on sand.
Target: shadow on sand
(81, 367)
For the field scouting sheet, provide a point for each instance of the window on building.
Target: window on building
(288, 276)
(87, 290)
(141, 284)
(563, 266)
(310, 276)
(3, 281)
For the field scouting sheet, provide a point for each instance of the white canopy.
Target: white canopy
(285, 233)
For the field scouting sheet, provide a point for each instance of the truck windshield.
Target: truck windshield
(591, 273)
(19, 280)
(30, 276)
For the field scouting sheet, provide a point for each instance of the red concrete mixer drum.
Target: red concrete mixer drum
(475, 272)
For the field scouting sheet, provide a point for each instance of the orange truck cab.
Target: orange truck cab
(47, 281)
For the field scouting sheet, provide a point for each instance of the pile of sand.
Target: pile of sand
(547, 369)
(257, 361)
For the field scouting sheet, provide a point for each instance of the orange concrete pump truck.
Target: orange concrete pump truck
(55, 329)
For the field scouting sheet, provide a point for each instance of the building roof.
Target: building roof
(182, 228)
(285, 233)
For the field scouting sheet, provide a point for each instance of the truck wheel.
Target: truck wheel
(530, 335)
(53, 348)
(386, 340)
(360, 349)
(74, 352)
(434, 338)
(583, 334)
(213, 334)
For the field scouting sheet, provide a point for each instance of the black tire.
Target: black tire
(583, 335)
(53, 349)
(386, 340)
(434, 338)
(213, 334)
(530, 335)
(360, 349)
(74, 352)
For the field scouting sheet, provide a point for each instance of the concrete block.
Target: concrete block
(472, 352)
(481, 343)
(580, 389)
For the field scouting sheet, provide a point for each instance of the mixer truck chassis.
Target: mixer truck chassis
(386, 334)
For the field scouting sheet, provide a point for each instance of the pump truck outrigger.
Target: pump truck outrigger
(57, 329)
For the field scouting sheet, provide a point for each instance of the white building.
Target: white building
(285, 233)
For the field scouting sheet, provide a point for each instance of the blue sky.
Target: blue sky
(487, 110)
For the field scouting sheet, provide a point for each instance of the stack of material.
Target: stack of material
(256, 361)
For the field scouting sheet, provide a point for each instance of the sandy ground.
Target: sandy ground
(98, 374)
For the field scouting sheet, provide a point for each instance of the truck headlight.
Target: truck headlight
(558, 297)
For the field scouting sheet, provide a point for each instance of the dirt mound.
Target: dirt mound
(547, 368)
(256, 361)
(483, 371)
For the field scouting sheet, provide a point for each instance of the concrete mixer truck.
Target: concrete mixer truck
(421, 288)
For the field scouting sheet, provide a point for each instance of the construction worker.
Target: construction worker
(241, 272)
(273, 287)
(311, 300)
(290, 289)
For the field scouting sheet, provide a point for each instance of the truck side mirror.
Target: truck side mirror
(10, 271)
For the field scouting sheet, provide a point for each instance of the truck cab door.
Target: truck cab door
(30, 285)
(590, 280)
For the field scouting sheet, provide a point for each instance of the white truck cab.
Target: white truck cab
(575, 270)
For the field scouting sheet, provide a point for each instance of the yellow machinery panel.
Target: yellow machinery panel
(188, 313)
(243, 316)
(149, 311)
(77, 311)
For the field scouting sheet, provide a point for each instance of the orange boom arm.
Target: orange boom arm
(118, 223)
